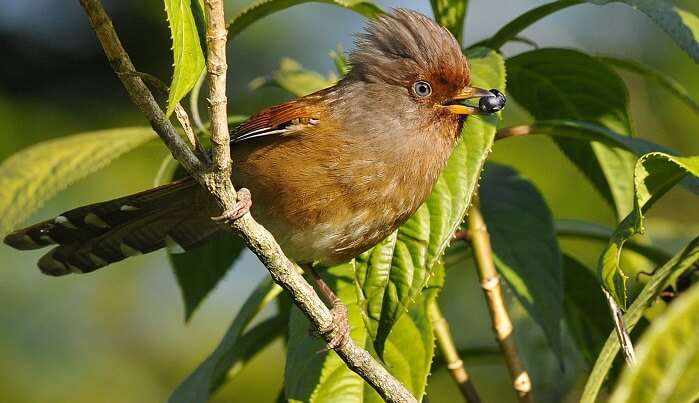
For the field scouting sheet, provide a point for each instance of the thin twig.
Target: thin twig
(259, 240)
(502, 323)
(451, 355)
(194, 105)
(513, 131)
(180, 112)
(620, 327)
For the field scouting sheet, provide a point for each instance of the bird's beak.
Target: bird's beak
(496, 101)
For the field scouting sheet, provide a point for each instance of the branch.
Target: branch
(502, 324)
(451, 355)
(513, 131)
(216, 179)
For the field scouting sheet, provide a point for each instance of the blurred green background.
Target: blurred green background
(118, 335)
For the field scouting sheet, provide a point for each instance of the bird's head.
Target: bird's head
(410, 51)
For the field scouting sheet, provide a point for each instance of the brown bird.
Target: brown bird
(332, 173)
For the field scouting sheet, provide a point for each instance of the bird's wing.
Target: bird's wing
(279, 120)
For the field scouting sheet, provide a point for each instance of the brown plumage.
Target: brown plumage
(331, 174)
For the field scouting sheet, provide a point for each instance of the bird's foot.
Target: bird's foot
(338, 331)
(242, 206)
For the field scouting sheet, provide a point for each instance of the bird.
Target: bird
(331, 173)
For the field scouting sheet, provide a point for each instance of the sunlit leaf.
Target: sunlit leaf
(31, 177)
(667, 369)
(567, 84)
(292, 77)
(187, 50)
(679, 24)
(524, 240)
(655, 174)
(680, 263)
(586, 311)
(199, 270)
(451, 14)
(210, 373)
(263, 8)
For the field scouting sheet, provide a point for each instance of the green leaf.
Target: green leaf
(525, 245)
(421, 241)
(312, 376)
(197, 387)
(324, 377)
(651, 74)
(583, 131)
(668, 357)
(451, 14)
(31, 177)
(586, 311)
(592, 231)
(680, 263)
(679, 24)
(250, 344)
(263, 8)
(655, 174)
(199, 270)
(340, 60)
(292, 77)
(187, 51)
(513, 28)
(572, 85)
(199, 13)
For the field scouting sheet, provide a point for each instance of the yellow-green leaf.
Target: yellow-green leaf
(654, 175)
(292, 77)
(681, 262)
(187, 51)
(667, 370)
(31, 177)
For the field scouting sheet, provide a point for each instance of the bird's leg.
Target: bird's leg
(338, 329)
(242, 206)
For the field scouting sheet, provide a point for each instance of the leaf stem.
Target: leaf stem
(620, 328)
(502, 323)
(445, 342)
(216, 180)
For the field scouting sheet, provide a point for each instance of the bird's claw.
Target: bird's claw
(242, 206)
(338, 330)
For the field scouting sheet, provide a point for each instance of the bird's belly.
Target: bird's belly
(338, 236)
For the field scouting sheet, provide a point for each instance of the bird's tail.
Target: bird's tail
(176, 215)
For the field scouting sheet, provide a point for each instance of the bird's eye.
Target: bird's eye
(422, 89)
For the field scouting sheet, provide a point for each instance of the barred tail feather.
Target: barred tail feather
(175, 215)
